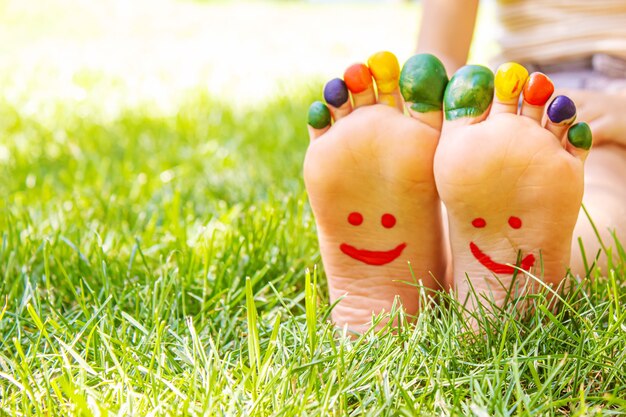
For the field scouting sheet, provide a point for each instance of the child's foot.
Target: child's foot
(512, 187)
(370, 182)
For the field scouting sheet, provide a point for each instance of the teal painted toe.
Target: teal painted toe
(579, 135)
(319, 115)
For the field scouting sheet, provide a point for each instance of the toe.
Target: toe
(537, 91)
(358, 79)
(579, 140)
(561, 115)
(318, 120)
(423, 81)
(509, 82)
(338, 99)
(469, 94)
(386, 71)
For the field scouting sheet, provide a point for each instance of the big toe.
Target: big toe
(423, 81)
(468, 95)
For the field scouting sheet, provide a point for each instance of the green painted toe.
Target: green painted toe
(319, 115)
(469, 93)
(579, 135)
(423, 81)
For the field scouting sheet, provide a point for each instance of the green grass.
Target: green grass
(158, 255)
(157, 265)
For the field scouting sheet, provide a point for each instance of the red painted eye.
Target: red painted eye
(388, 220)
(355, 218)
(515, 222)
(479, 222)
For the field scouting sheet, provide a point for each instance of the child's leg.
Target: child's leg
(605, 201)
(600, 103)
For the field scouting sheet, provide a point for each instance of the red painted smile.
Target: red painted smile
(493, 266)
(371, 257)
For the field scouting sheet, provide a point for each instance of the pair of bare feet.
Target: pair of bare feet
(511, 185)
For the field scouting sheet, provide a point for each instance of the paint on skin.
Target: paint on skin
(336, 92)
(319, 115)
(388, 220)
(515, 222)
(562, 110)
(509, 82)
(580, 136)
(372, 257)
(486, 261)
(479, 222)
(423, 81)
(538, 89)
(358, 78)
(355, 218)
(498, 268)
(469, 93)
(385, 70)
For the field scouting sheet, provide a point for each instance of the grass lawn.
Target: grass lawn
(156, 240)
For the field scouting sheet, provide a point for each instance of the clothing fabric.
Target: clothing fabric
(585, 36)
(599, 73)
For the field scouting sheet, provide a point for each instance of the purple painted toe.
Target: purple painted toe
(336, 92)
(562, 110)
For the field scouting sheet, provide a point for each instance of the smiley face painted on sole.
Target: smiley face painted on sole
(372, 257)
(485, 260)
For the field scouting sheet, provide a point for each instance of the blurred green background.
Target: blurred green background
(117, 54)
(96, 95)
